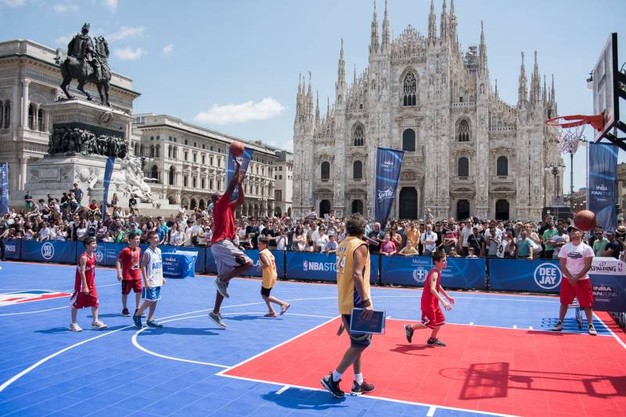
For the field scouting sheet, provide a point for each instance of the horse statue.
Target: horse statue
(86, 71)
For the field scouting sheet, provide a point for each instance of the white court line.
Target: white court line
(431, 411)
(35, 311)
(283, 389)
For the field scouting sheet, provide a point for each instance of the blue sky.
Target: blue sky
(233, 65)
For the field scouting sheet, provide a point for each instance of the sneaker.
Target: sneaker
(98, 325)
(284, 308)
(154, 324)
(363, 388)
(332, 386)
(143, 315)
(592, 330)
(125, 312)
(435, 342)
(217, 318)
(137, 321)
(222, 287)
(558, 326)
(75, 327)
(408, 332)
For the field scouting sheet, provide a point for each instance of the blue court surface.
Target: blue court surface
(46, 370)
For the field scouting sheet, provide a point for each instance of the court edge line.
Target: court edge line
(616, 337)
(369, 397)
(278, 345)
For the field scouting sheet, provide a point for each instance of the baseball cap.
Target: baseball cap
(572, 227)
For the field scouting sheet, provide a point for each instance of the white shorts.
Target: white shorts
(225, 254)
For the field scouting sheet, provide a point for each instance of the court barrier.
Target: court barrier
(519, 275)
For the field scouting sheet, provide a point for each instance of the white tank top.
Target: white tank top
(154, 267)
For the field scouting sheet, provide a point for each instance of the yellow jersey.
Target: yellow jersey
(348, 296)
(269, 273)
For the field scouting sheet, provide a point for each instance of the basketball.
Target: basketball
(236, 148)
(585, 220)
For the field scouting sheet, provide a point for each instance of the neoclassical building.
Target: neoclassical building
(466, 151)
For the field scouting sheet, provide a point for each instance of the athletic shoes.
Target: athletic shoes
(408, 332)
(98, 325)
(154, 324)
(592, 330)
(217, 318)
(143, 315)
(284, 308)
(125, 312)
(364, 388)
(75, 327)
(221, 287)
(558, 326)
(332, 386)
(137, 321)
(435, 342)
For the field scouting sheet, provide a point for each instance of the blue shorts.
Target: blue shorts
(151, 294)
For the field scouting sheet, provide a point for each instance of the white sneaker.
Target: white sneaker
(75, 327)
(98, 325)
(592, 330)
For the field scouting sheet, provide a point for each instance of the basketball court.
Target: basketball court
(501, 358)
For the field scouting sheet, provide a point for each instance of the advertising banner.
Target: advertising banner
(608, 277)
(311, 266)
(4, 188)
(106, 253)
(542, 275)
(199, 251)
(602, 180)
(388, 164)
(51, 251)
(13, 249)
(108, 171)
(179, 264)
(413, 270)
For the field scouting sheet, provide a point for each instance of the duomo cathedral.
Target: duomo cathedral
(466, 151)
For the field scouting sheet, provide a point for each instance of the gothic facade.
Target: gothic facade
(466, 151)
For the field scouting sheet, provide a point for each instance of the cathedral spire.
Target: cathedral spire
(386, 34)
(482, 51)
(544, 91)
(432, 22)
(309, 98)
(317, 109)
(521, 92)
(535, 87)
(299, 97)
(374, 40)
(496, 92)
(341, 70)
(453, 25)
(444, 23)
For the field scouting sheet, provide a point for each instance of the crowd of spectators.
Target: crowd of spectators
(69, 219)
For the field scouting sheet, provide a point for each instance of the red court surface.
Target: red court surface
(518, 372)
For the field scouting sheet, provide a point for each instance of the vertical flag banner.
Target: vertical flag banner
(4, 188)
(108, 171)
(601, 196)
(245, 161)
(388, 164)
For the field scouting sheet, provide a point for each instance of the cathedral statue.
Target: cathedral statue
(87, 62)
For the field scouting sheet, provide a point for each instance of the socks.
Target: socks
(336, 375)
(358, 378)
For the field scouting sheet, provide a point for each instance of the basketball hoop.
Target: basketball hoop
(571, 129)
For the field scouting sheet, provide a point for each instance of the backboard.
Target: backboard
(608, 85)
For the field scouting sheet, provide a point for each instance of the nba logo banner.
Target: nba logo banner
(245, 161)
(388, 164)
(4, 188)
(108, 171)
(601, 197)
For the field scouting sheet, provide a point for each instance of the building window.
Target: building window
(7, 114)
(358, 135)
(410, 90)
(357, 170)
(325, 171)
(31, 116)
(157, 151)
(172, 175)
(408, 140)
(202, 183)
(463, 167)
(502, 166)
(185, 181)
(152, 153)
(463, 131)
(155, 172)
(194, 182)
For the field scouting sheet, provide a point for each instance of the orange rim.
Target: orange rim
(575, 120)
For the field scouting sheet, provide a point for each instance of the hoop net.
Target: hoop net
(571, 129)
(570, 138)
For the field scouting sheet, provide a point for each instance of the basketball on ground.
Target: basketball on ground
(585, 220)
(236, 148)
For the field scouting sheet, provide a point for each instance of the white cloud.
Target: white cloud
(14, 3)
(110, 4)
(129, 53)
(239, 113)
(64, 7)
(168, 49)
(126, 32)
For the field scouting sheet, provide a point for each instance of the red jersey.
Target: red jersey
(90, 273)
(428, 299)
(130, 260)
(223, 220)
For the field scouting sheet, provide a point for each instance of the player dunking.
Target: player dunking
(85, 293)
(432, 294)
(230, 260)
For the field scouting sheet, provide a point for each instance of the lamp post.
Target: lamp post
(555, 170)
